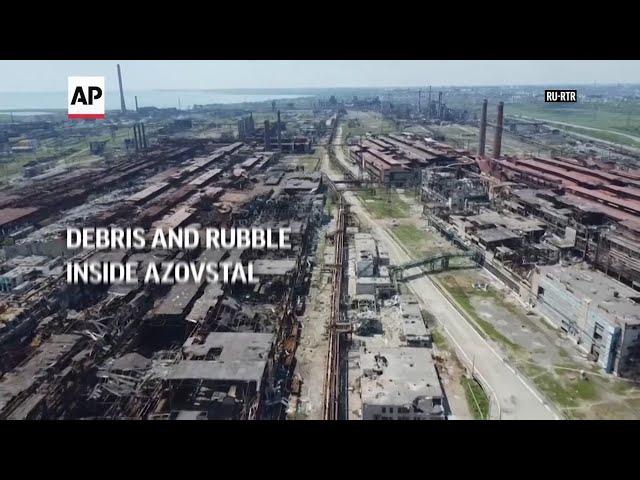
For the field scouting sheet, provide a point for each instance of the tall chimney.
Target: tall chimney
(123, 106)
(136, 98)
(279, 133)
(497, 144)
(429, 104)
(419, 98)
(483, 128)
(267, 136)
(241, 129)
(440, 105)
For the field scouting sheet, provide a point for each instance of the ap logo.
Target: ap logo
(85, 97)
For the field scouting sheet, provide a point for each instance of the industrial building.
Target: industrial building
(369, 278)
(145, 351)
(391, 370)
(399, 159)
(400, 384)
(414, 330)
(599, 313)
(551, 227)
(218, 376)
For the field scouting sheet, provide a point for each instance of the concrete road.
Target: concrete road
(512, 397)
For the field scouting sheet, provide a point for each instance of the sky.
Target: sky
(51, 75)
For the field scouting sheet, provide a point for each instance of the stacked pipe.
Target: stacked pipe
(139, 136)
(135, 137)
(144, 137)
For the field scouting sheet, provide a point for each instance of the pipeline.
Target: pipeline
(332, 376)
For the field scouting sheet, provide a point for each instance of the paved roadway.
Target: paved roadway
(516, 398)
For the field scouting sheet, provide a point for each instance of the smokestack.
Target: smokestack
(123, 106)
(497, 144)
(241, 129)
(144, 137)
(440, 105)
(419, 98)
(136, 98)
(429, 104)
(483, 128)
(279, 133)
(267, 136)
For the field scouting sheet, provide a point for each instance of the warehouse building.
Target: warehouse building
(600, 314)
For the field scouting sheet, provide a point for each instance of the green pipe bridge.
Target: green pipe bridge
(435, 263)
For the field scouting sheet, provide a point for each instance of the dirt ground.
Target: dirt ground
(451, 373)
(311, 354)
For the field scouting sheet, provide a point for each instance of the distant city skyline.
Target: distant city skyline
(51, 75)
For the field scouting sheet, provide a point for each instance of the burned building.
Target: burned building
(220, 376)
(146, 351)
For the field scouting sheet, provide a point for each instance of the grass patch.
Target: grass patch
(328, 206)
(531, 370)
(621, 117)
(464, 300)
(476, 398)
(613, 118)
(439, 340)
(555, 390)
(564, 391)
(384, 203)
(586, 389)
(367, 123)
(607, 136)
(417, 241)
